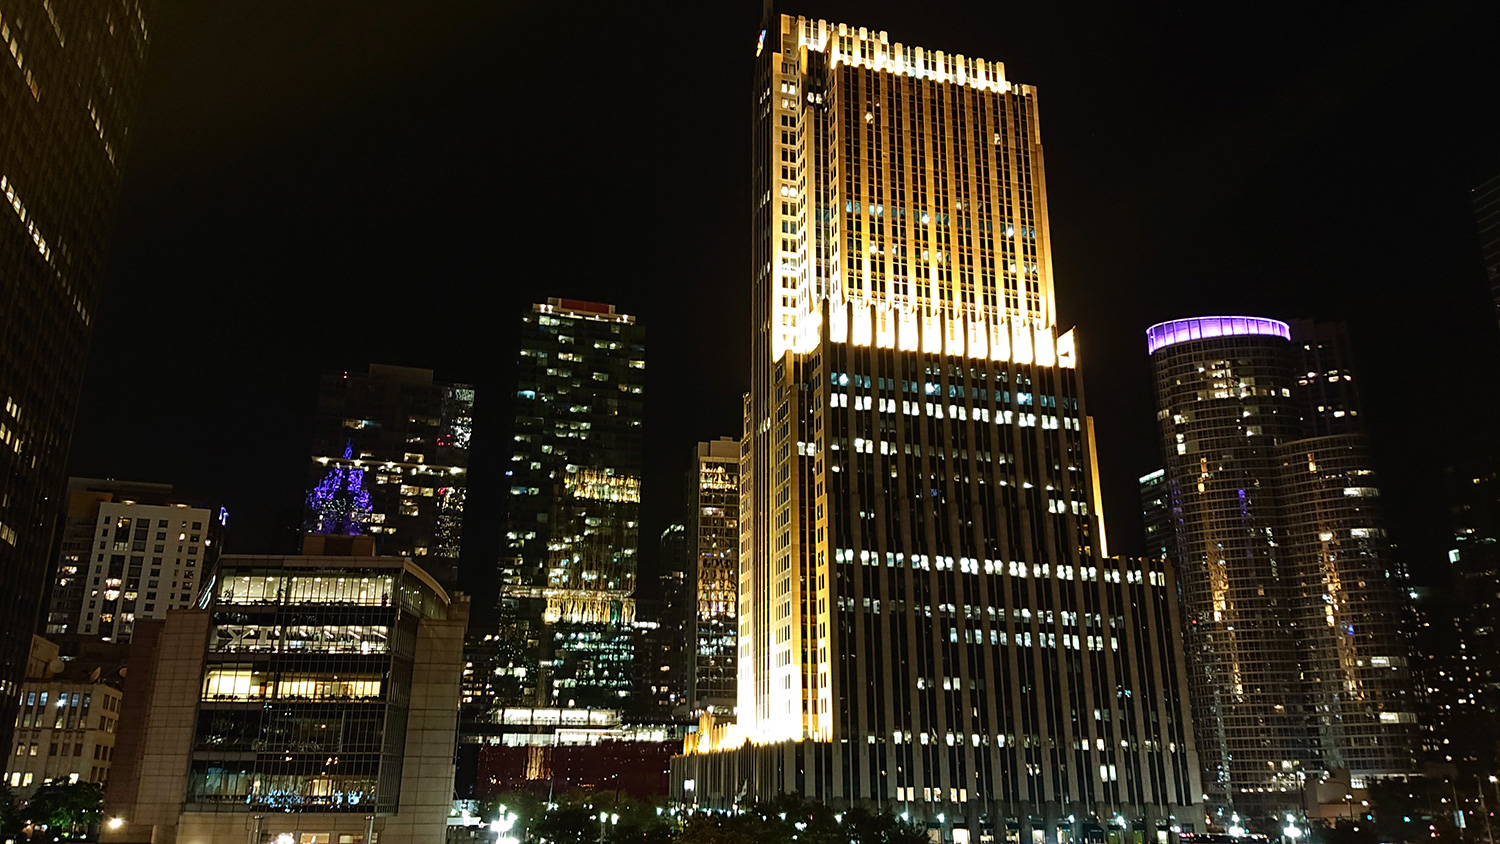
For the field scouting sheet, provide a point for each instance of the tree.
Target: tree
(883, 828)
(65, 809)
(10, 815)
(567, 824)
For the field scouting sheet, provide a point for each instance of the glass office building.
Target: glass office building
(572, 532)
(325, 686)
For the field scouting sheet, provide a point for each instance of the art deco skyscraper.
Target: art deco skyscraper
(1292, 593)
(572, 530)
(69, 81)
(928, 619)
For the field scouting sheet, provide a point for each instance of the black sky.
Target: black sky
(316, 186)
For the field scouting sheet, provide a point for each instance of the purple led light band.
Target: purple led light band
(1198, 328)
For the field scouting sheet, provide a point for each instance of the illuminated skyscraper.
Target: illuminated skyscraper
(572, 530)
(714, 531)
(390, 459)
(928, 618)
(68, 89)
(1294, 600)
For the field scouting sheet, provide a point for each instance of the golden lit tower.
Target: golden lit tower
(928, 619)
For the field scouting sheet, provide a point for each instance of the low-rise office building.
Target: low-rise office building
(316, 698)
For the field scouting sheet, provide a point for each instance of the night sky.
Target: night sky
(317, 186)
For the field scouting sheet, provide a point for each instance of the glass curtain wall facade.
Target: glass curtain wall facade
(68, 91)
(390, 459)
(306, 686)
(714, 530)
(1156, 507)
(1486, 201)
(572, 528)
(313, 693)
(1292, 594)
(928, 616)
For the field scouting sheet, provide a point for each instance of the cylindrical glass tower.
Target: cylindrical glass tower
(1296, 663)
(1224, 405)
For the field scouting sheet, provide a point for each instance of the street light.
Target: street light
(116, 823)
(502, 826)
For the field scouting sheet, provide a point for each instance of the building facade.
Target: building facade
(1156, 508)
(573, 524)
(714, 531)
(67, 103)
(1460, 641)
(390, 459)
(662, 662)
(65, 729)
(1294, 599)
(314, 696)
(130, 551)
(929, 619)
(1486, 201)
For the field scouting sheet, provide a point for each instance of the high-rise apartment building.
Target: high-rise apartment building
(714, 531)
(315, 696)
(572, 528)
(71, 80)
(390, 458)
(928, 616)
(1486, 201)
(130, 551)
(1294, 600)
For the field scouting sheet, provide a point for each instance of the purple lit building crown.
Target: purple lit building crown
(1198, 328)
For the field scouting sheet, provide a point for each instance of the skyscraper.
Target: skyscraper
(390, 458)
(1326, 393)
(1156, 507)
(714, 531)
(1292, 594)
(572, 529)
(928, 617)
(662, 663)
(1462, 641)
(67, 105)
(1486, 201)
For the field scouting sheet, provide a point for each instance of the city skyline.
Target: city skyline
(1291, 253)
(970, 552)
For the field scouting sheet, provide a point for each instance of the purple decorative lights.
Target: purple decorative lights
(340, 501)
(1198, 328)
